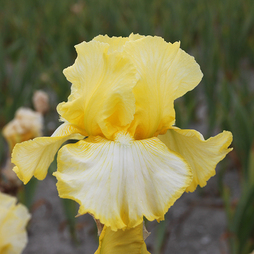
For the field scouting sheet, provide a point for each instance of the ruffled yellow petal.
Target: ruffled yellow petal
(129, 241)
(13, 221)
(167, 72)
(117, 43)
(121, 181)
(202, 155)
(101, 101)
(33, 157)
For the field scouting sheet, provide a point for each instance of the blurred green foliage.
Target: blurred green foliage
(241, 217)
(37, 39)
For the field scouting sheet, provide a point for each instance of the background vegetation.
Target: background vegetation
(36, 44)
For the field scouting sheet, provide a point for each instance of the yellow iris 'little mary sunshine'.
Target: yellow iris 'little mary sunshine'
(134, 163)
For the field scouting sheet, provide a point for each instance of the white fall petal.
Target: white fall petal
(121, 181)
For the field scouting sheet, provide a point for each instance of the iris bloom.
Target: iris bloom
(26, 125)
(13, 221)
(135, 163)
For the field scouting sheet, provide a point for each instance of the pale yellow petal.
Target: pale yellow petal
(33, 157)
(117, 43)
(202, 155)
(129, 241)
(101, 101)
(7, 201)
(121, 181)
(167, 72)
(13, 221)
(67, 129)
(134, 37)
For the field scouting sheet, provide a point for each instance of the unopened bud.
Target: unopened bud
(41, 101)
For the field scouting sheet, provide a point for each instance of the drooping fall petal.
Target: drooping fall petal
(33, 157)
(101, 102)
(202, 155)
(121, 181)
(13, 221)
(128, 241)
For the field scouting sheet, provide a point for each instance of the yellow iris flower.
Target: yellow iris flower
(13, 221)
(134, 163)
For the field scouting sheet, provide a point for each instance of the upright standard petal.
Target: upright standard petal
(13, 221)
(117, 43)
(33, 157)
(167, 72)
(202, 155)
(121, 181)
(122, 241)
(101, 102)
